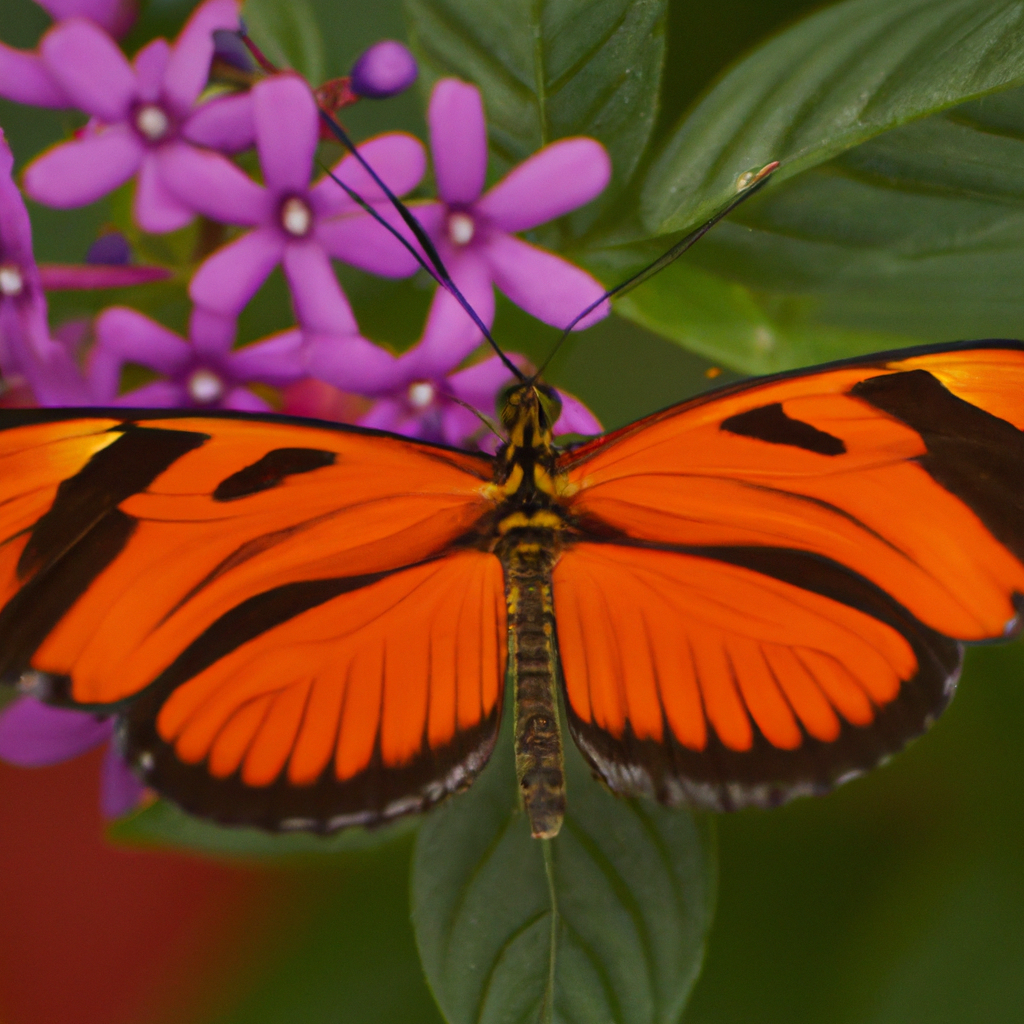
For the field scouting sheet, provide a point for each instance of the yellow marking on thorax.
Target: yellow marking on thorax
(515, 478)
(543, 518)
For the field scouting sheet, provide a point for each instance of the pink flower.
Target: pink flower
(423, 393)
(204, 372)
(33, 735)
(24, 77)
(28, 356)
(474, 232)
(296, 224)
(141, 111)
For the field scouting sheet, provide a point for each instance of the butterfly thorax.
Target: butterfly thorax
(529, 526)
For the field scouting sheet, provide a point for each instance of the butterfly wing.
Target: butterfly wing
(772, 582)
(292, 618)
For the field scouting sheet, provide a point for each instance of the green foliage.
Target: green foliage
(606, 922)
(896, 215)
(829, 83)
(288, 33)
(551, 70)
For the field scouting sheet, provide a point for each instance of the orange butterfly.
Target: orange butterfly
(754, 594)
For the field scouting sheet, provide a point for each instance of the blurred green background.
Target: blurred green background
(899, 898)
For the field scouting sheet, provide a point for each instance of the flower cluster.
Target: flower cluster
(190, 140)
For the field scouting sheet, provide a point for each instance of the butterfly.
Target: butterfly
(755, 594)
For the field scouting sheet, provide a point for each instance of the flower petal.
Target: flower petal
(399, 160)
(320, 304)
(156, 208)
(212, 334)
(478, 385)
(243, 400)
(387, 414)
(546, 286)
(115, 16)
(161, 394)
(15, 226)
(576, 418)
(124, 335)
(353, 364)
(233, 274)
(225, 124)
(90, 68)
(550, 183)
(57, 277)
(150, 63)
(359, 240)
(287, 131)
(189, 64)
(458, 140)
(450, 335)
(33, 734)
(120, 791)
(80, 172)
(212, 185)
(24, 78)
(278, 360)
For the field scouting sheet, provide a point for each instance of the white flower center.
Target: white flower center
(205, 387)
(296, 216)
(152, 122)
(422, 394)
(461, 229)
(11, 281)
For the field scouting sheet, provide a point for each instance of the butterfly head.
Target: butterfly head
(529, 412)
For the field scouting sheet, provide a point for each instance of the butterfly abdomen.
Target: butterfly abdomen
(531, 620)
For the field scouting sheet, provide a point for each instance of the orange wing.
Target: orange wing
(789, 567)
(245, 585)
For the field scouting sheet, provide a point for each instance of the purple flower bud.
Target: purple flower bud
(385, 69)
(228, 47)
(111, 249)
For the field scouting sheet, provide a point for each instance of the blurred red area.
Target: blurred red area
(93, 933)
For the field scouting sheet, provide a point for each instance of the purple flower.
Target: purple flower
(296, 224)
(204, 372)
(28, 356)
(473, 233)
(140, 111)
(423, 393)
(385, 69)
(115, 16)
(24, 77)
(33, 735)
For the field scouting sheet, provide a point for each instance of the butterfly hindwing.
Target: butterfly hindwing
(220, 576)
(802, 556)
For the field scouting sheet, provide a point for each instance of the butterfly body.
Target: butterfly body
(531, 525)
(749, 596)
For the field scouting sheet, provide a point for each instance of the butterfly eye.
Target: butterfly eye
(550, 405)
(509, 401)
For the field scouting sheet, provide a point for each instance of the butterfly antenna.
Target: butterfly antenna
(482, 417)
(439, 272)
(749, 185)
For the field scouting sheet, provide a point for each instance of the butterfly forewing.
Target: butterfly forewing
(310, 646)
(777, 577)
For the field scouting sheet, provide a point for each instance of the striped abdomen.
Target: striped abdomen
(539, 765)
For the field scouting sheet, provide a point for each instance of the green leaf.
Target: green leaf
(288, 33)
(914, 236)
(735, 326)
(607, 922)
(831, 82)
(549, 70)
(162, 824)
